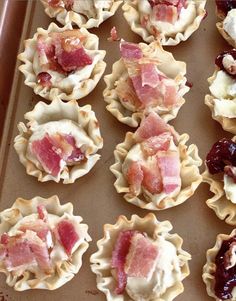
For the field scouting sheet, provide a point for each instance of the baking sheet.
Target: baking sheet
(94, 196)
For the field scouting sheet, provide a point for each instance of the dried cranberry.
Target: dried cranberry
(44, 79)
(222, 153)
(225, 279)
(219, 60)
(225, 5)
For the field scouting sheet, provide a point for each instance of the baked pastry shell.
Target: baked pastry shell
(132, 16)
(189, 173)
(210, 267)
(101, 260)
(228, 124)
(225, 35)
(168, 65)
(82, 88)
(55, 111)
(64, 270)
(63, 16)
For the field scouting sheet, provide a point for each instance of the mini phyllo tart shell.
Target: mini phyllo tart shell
(209, 269)
(71, 130)
(138, 15)
(88, 14)
(62, 62)
(155, 231)
(222, 85)
(36, 257)
(148, 185)
(166, 67)
(226, 26)
(224, 208)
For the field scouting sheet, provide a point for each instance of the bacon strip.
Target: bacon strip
(67, 235)
(135, 177)
(119, 254)
(141, 258)
(169, 164)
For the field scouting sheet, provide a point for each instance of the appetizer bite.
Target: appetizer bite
(220, 174)
(222, 101)
(60, 141)
(226, 11)
(62, 62)
(41, 243)
(220, 270)
(83, 13)
(154, 167)
(146, 78)
(169, 21)
(139, 259)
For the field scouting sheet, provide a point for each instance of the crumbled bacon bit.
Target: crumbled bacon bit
(4, 239)
(44, 79)
(114, 35)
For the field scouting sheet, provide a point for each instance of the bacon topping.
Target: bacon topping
(37, 226)
(141, 257)
(67, 4)
(149, 75)
(165, 13)
(67, 235)
(152, 179)
(64, 54)
(114, 35)
(130, 51)
(52, 149)
(151, 126)
(119, 254)
(42, 212)
(154, 144)
(169, 164)
(135, 177)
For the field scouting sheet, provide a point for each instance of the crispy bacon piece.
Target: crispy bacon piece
(149, 75)
(125, 91)
(64, 54)
(71, 61)
(4, 239)
(130, 51)
(154, 144)
(113, 35)
(135, 177)
(170, 93)
(146, 94)
(42, 212)
(141, 258)
(119, 254)
(152, 180)
(166, 13)
(169, 164)
(52, 149)
(67, 235)
(151, 126)
(46, 155)
(39, 250)
(67, 4)
(37, 226)
(18, 253)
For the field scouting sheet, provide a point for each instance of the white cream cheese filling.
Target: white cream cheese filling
(165, 274)
(223, 86)
(229, 24)
(230, 189)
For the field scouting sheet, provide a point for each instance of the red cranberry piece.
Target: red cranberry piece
(225, 5)
(225, 279)
(219, 60)
(44, 79)
(222, 153)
